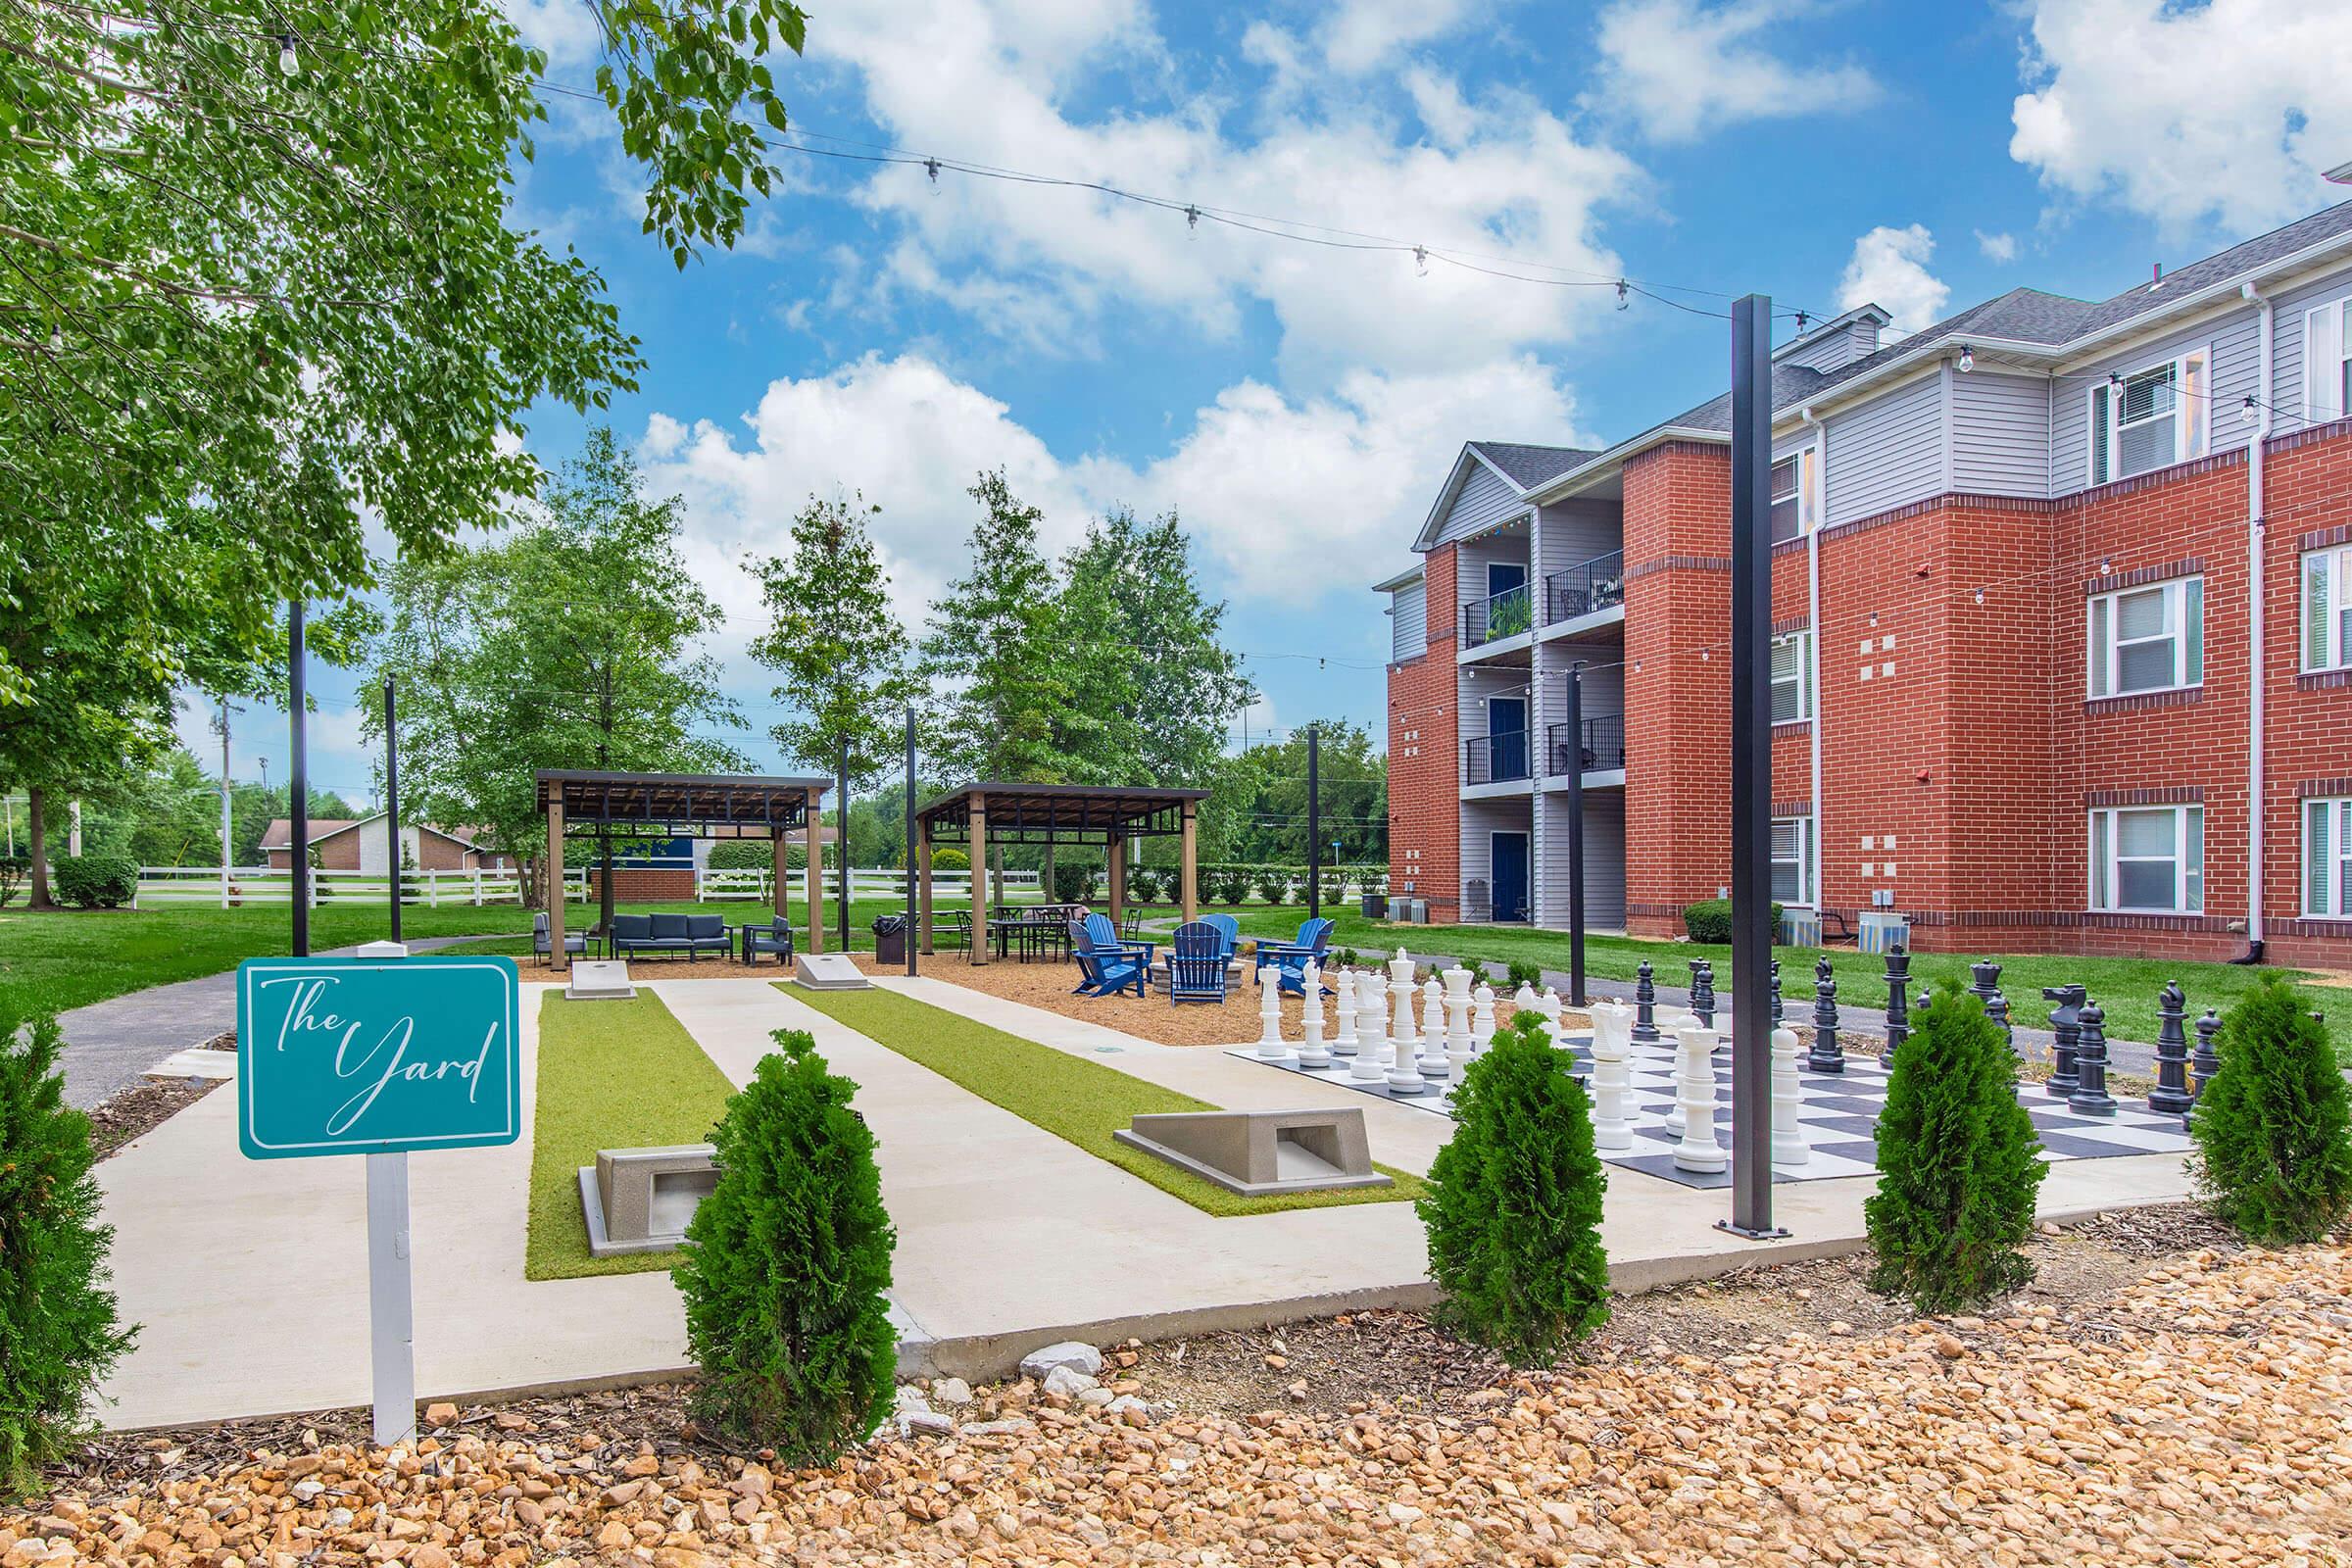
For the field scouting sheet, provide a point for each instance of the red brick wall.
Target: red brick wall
(644, 884)
(2308, 720)
(1425, 818)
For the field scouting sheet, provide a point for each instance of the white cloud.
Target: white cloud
(2000, 248)
(2227, 110)
(1680, 68)
(566, 29)
(1357, 36)
(1889, 268)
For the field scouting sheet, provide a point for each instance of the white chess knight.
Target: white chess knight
(1789, 1146)
(1481, 1019)
(1433, 1063)
(1270, 1046)
(1457, 1021)
(1403, 1077)
(1694, 1082)
(1312, 1052)
(1371, 1030)
(1612, 1043)
(1343, 1044)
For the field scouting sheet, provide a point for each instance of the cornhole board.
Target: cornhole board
(599, 980)
(829, 971)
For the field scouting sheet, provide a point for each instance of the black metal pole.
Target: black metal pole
(913, 870)
(841, 843)
(298, 806)
(1576, 835)
(1314, 824)
(392, 796)
(1751, 768)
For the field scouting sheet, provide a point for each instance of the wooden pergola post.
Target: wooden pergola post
(979, 849)
(922, 873)
(816, 878)
(1188, 878)
(778, 859)
(551, 881)
(1118, 867)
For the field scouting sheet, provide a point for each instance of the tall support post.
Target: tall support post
(841, 838)
(1188, 868)
(1576, 834)
(1751, 768)
(1115, 859)
(298, 804)
(814, 831)
(227, 830)
(603, 880)
(979, 848)
(392, 796)
(1314, 822)
(779, 865)
(916, 940)
(551, 881)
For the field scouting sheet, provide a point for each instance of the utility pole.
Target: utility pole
(1314, 823)
(913, 870)
(392, 798)
(841, 841)
(299, 807)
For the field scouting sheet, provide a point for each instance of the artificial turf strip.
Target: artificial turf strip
(621, 1074)
(1080, 1102)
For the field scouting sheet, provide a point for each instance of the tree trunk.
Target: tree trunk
(38, 876)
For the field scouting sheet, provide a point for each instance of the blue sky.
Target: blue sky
(1297, 404)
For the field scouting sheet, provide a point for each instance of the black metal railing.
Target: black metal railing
(1585, 587)
(1604, 746)
(1495, 759)
(1496, 617)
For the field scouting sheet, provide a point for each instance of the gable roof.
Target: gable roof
(279, 834)
(1516, 464)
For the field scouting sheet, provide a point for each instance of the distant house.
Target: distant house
(363, 844)
(664, 871)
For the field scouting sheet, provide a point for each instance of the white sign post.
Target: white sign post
(391, 1303)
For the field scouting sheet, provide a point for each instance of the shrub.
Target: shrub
(1143, 883)
(1958, 1162)
(1229, 886)
(745, 855)
(1273, 886)
(58, 1335)
(1513, 1206)
(1348, 958)
(1710, 920)
(14, 870)
(1074, 882)
(2274, 1153)
(785, 1264)
(96, 881)
(951, 861)
(1524, 972)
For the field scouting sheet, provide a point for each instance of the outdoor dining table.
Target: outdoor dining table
(1032, 928)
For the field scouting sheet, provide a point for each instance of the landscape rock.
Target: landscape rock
(1067, 1382)
(1072, 1354)
(440, 1413)
(950, 1391)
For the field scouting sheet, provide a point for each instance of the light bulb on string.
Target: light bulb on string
(289, 64)
(1967, 359)
(1624, 297)
(1192, 218)
(2248, 412)
(1421, 260)
(931, 167)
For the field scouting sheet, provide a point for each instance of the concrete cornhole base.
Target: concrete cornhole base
(641, 1200)
(600, 980)
(829, 971)
(1260, 1153)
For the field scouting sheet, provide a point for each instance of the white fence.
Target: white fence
(241, 885)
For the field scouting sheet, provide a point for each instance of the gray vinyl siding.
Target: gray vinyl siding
(1887, 453)
(1837, 350)
(1485, 498)
(1480, 818)
(2234, 339)
(1605, 860)
(1470, 565)
(1409, 628)
(2287, 345)
(1575, 531)
(2000, 434)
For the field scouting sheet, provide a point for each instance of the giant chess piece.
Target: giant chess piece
(1549, 1005)
(1997, 1009)
(1370, 1066)
(1776, 993)
(1312, 1052)
(1270, 1045)
(1433, 1063)
(1789, 1146)
(2091, 1097)
(1677, 1023)
(2206, 1063)
(1481, 1019)
(1702, 991)
(1898, 1011)
(1403, 1077)
(1457, 1021)
(1694, 1081)
(1984, 984)
(2066, 1023)
(1827, 1055)
(1343, 1044)
(2171, 1097)
(1523, 1000)
(1612, 1082)
(1645, 1001)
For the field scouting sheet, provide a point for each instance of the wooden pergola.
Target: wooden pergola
(1055, 813)
(669, 806)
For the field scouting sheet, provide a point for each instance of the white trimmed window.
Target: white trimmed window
(2327, 362)
(2150, 418)
(2149, 639)
(1797, 495)
(1792, 677)
(1793, 860)
(2328, 609)
(2328, 860)
(2148, 859)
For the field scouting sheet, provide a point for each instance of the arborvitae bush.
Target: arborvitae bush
(2274, 1153)
(1958, 1162)
(785, 1265)
(1513, 1206)
(1525, 972)
(58, 1335)
(96, 881)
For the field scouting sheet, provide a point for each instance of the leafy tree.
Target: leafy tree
(992, 652)
(785, 1265)
(1958, 1162)
(839, 651)
(2272, 1132)
(1270, 780)
(1514, 1201)
(58, 1334)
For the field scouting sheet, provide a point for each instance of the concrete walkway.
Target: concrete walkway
(109, 1044)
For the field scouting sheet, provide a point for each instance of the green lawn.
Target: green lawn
(611, 1075)
(1075, 1099)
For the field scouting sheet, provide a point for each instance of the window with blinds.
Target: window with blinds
(2328, 860)
(2149, 639)
(2328, 609)
(2327, 363)
(1792, 677)
(2151, 419)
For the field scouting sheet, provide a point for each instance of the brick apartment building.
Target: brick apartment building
(2062, 652)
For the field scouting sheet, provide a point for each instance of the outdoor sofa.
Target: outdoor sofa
(688, 935)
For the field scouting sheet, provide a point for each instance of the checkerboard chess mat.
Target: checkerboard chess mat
(1840, 1114)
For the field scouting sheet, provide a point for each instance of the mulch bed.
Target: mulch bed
(139, 1108)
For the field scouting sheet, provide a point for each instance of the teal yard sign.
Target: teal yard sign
(375, 1057)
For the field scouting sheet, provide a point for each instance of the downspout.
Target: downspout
(1820, 519)
(2256, 656)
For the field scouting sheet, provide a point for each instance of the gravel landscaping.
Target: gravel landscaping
(2184, 1407)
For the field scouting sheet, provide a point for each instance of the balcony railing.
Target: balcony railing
(1496, 617)
(1495, 759)
(1584, 587)
(1604, 746)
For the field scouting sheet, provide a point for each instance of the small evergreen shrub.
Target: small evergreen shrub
(1231, 886)
(945, 860)
(1513, 1206)
(1710, 920)
(785, 1264)
(1074, 882)
(1347, 958)
(1525, 972)
(1273, 886)
(1477, 972)
(2273, 1153)
(58, 1335)
(14, 869)
(1958, 1162)
(95, 881)
(1143, 883)
(742, 855)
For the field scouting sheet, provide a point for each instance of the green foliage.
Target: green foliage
(1710, 920)
(1524, 972)
(1514, 1202)
(742, 855)
(1074, 881)
(1958, 1162)
(1228, 885)
(96, 881)
(1273, 886)
(58, 1334)
(14, 868)
(2273, 1148)
(995, 655)
(1265, 791)
(1143, 883)
(1507, 615)
(951, 859)
(785, 1265)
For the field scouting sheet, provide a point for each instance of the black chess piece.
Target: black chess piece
(1984, 984)
(1898, 1011)
(2206, 1063)
(1826, 1054)
(1776, 993)
(2172, 1096)
(1702, 992)
(2066, 1024)
(1645, 1005)
(1997, 1009)
(2091, 1097)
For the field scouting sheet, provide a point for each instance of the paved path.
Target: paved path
(111, 1042)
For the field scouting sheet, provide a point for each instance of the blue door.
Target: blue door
(1507, 737)
(1510, 876)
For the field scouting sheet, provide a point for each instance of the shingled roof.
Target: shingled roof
(1530, 466)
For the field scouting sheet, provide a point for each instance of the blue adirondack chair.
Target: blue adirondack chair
(1290, 958)
(1196, 964)
(1106, 966)
(1228, 929)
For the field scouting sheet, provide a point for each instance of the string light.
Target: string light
(1421, 260)
(1967, 359)
(931, 167)
(1625, 296)
(289, 64)
(1192, 218)
(2250, 411)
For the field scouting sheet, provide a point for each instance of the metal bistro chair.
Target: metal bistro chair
(1198, 963)
(956, 934)
(774, 937)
